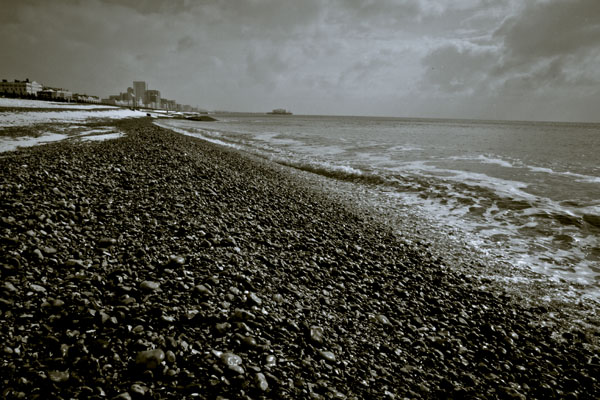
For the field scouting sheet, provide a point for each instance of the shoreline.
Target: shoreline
(164, 264)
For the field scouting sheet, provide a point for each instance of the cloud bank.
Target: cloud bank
(429, 58)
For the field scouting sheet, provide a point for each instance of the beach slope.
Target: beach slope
(161, 266)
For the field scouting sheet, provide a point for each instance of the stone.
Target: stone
(49, 250)
(232, 362)
(255, 299)
(170, 357)
(202, 290)
(249, 342)
(383, 320)
(316, 334)
(150, 359)
(58, 376)
(37, 288)
(38, 254)
(261, 382)
(137, 389)
(10, 287)
(270, 360)
(327, 356)
(176, 261)
(149, 286)
(106, 242)
(242, 315)
(222, 327)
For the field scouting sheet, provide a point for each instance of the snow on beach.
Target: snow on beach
(11, 119)
(51, 126)
(24, 103)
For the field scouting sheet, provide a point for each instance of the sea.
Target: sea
(525, 192)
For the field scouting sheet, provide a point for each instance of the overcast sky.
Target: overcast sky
(499, 59)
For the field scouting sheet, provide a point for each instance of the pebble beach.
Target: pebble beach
(160, 266)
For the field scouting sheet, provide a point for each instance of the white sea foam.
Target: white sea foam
(485, 159)
(198, 134)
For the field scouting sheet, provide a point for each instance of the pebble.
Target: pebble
(149, 286)
(270, 360)
(170, 357)
(58, 376)
(233, 362)
(261, 382)
(150, 359)
(37, 288)
(382, 319)
(137, 389)
(255, 299)
(176, 261)
(316, 334)
(327, 356)
(203, 290)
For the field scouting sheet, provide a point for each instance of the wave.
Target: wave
(485, 159)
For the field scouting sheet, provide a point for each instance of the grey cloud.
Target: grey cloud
(550, 29)
(153, 6)
(185, 43)
(452, 69)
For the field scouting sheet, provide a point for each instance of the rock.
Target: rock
(38, 254)
(58, 376)
(327, 356)
(261, 382)
(49, 250)
(221, 328)
(10, 287)
(123, 396)
(176, 261)
(316, 334)
(150, 359)
(37, 288)
(203, 290)
(383, 320)
(249, 342)
(270, 360)
(242, 315)
(170, 357)
(255, 299)
(106, 242)
(74, 263)
(233, 362)
(149, 286)
(138, 390)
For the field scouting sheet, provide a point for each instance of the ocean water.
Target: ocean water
(528, 192)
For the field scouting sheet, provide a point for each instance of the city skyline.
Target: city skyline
(481, 59)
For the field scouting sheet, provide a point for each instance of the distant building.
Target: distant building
(84, 98)
(153, 99)
(139, 90)
(20, 88)
(55, 94)
(170, 105)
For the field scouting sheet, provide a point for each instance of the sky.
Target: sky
(482, 59)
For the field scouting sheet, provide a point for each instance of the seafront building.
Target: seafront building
(139, 90)
(152, 99)
(137, 96)
(20, 88)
